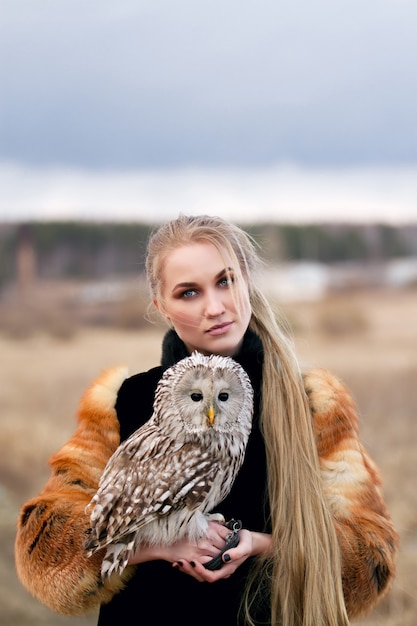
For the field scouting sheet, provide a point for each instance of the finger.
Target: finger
(218, 530)
(212, 542)
(216, 538)
(191, 568)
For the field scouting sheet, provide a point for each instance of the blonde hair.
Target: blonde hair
(303, 575)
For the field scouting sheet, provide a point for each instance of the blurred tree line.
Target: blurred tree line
(82, 250)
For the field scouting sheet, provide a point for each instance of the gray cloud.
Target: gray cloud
(140, 83)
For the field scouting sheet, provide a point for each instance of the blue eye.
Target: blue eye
(226, 281)
(196, 397)
(223, 396)
(190, 293)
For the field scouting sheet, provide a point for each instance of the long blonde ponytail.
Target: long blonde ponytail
(305, 570)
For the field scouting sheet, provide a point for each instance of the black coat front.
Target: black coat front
(158, 594)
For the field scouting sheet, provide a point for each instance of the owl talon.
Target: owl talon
(216, 517)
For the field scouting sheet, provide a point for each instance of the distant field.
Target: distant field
(368, 339)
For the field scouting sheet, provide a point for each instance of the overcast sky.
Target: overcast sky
(106, 87)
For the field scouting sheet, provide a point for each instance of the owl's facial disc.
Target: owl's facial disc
(208, 399)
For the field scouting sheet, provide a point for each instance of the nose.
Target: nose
(214, 306)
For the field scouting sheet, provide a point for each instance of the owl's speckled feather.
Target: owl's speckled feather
(160, 484)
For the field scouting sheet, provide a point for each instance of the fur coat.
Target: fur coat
(52, 526)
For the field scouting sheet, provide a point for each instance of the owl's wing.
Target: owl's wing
(145, 482)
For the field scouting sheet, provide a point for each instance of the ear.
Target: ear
(161, 312)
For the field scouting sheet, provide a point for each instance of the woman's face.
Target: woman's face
(198, 300)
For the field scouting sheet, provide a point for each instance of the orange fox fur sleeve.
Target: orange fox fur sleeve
(352, 487)
(51, 528)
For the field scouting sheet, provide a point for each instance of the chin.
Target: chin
(228, 347)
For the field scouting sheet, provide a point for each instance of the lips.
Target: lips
(219, 329)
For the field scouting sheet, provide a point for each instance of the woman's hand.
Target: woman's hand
(189, 557)
(186, 550)
(250, 544)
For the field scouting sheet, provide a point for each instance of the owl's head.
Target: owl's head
(206, 394)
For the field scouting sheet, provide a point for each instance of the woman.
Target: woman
(317, 545)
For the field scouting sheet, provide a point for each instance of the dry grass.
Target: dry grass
(368, 339)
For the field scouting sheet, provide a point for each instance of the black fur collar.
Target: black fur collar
(173, 349)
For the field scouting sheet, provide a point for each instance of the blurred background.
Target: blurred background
(296, 121)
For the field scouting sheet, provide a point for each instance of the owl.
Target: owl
(160, 484)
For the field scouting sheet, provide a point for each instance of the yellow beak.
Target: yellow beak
(210, 415)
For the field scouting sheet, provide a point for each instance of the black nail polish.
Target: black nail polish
(192, 563)
(226, 558)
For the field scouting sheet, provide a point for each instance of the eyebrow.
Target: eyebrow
(188, 285)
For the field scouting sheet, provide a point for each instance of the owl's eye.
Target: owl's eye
(223, 396)
(196, 397)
